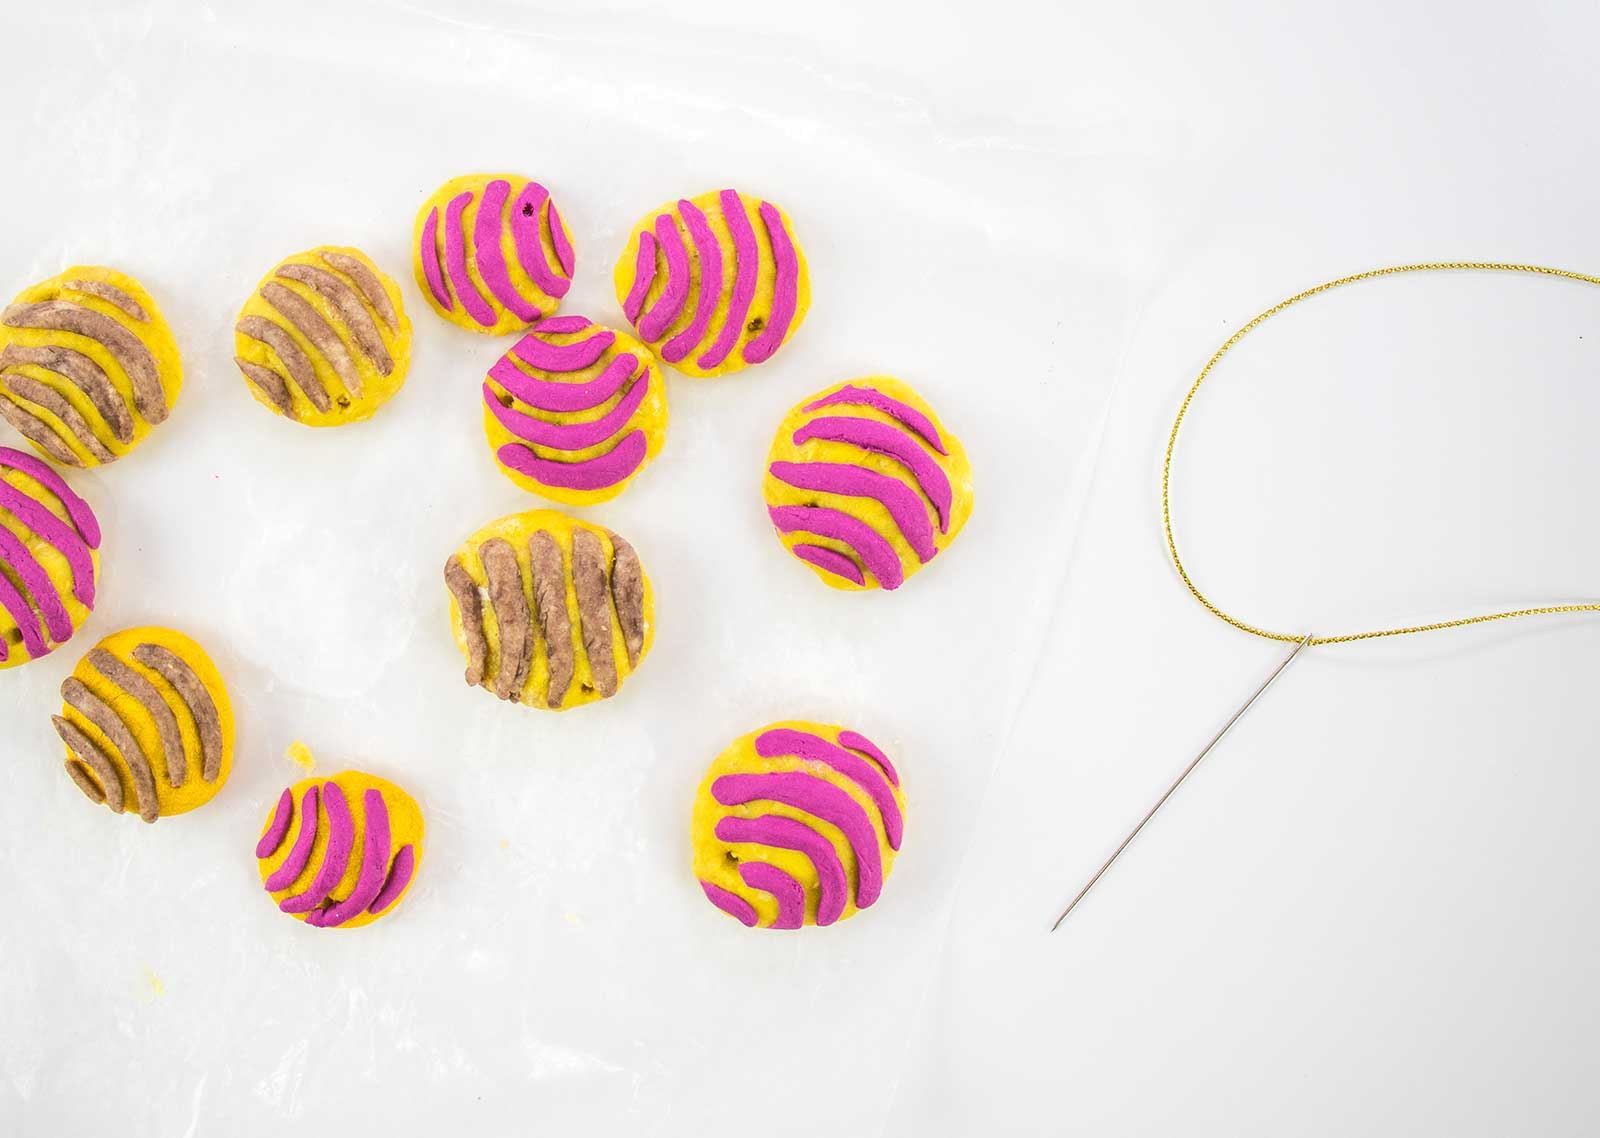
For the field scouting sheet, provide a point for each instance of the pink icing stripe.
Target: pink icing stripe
(875, 553)
(537, 352)
(870, 434)
(563, 324)
(62, 537)
(746, 258)
(486, 248)
(341, 836)
(857, 742)
(785, 288)
(833, 886)
(644, 275)
(295, 863)
(730, 903)
(653, 324)
(589, 474)
(273, 838)
(790, 895)
(374, 861)
(400, 871)
(455, 259)
(27, 620)
(77, 509)
(17, 557)
(785, 741)
(709, 252)
(831, 560)
(902, 502)
(894, 408)
(569, 436)
(553, 395)
(525, 226)
(558, 238)
(829, 804)
(428, 250)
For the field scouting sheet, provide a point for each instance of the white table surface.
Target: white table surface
(1372, 911)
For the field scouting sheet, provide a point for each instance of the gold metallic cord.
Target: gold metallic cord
(1172, 443)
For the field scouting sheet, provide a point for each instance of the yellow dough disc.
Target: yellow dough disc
(87, 365)
(340, 852)
(714, 283)
(797, 824)
(147, 724)
(324, 339)
(549, 611)
(865, 485)
(491, 253)
(574, 410)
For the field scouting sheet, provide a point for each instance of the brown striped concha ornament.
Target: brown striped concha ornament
(87, 365)
(324, 340)
(147, 724)
(549, 611)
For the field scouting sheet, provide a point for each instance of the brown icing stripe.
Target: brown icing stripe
(310, 324)
(369, 284)
(295, 361)
(127, 349)
(465, 590)
(84, 374)
(348, 304)
(43, 395)
(510, 607)
(100, 713)
(143, 691)
(594, 609)
(269, 382)
(37, 430)
(80, 775)
(113, 295)
(207, 724)
(87, 753)
(627, 591)
(550, 603)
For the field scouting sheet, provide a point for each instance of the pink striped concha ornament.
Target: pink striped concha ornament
(491, 252)
(574, 410)
(797, 824)
(865, 485)
(714, 283)
(340, 852)
(49, 559)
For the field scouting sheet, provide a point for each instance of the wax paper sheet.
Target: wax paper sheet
(555, 969)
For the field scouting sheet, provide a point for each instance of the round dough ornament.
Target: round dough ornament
(549, 611)
(797, 824)
(87, 365)
(340, 852)
(714, 283)
(573, 411)
(324, 340)
(147, 724)
(491, 252)
(865, 485)
(49, 538)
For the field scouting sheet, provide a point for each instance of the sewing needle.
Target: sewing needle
(1162, 801)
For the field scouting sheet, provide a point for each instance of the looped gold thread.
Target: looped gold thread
(1172, 442)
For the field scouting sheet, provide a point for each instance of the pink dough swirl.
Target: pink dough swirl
(382, 877)
(788, 769)
(569, 387)
(462, 251)
(38, 508)
(701, 312)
